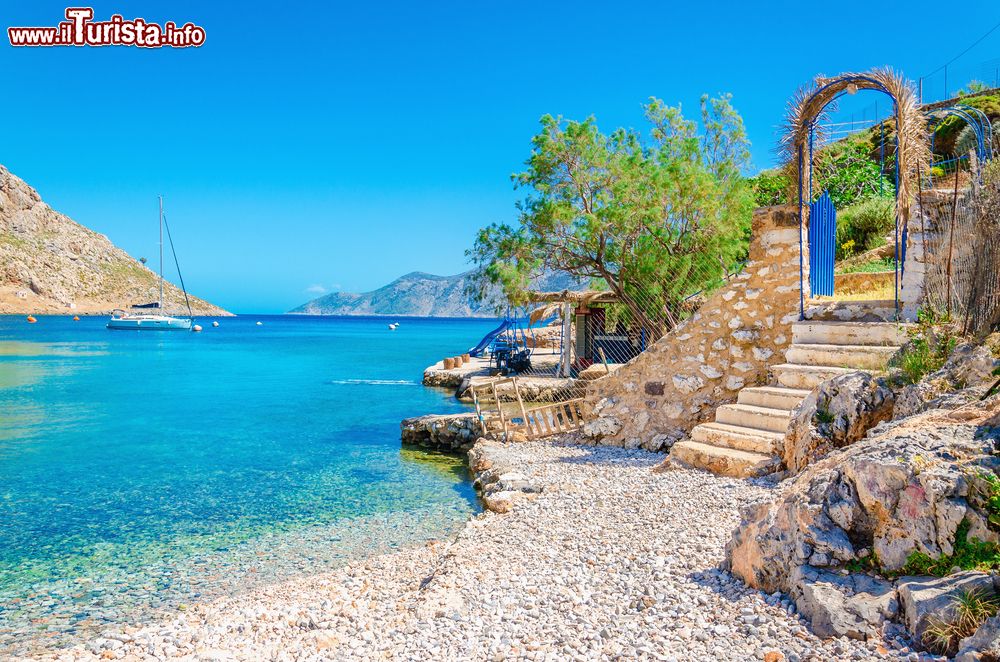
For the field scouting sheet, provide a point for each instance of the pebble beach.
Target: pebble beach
(610, 560)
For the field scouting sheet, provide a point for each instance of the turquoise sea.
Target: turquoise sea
(143, 472)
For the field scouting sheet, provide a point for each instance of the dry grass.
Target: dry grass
(884, 292)
(972, 608)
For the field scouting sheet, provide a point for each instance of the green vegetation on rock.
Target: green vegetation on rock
(930, 345)
(969, 554)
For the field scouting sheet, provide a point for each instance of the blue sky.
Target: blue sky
(315, 146)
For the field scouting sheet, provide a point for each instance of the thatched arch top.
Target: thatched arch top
(807, 108)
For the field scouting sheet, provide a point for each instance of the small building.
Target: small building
(599, 334)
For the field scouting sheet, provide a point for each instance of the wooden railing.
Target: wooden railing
(535, 423)
(553, 418)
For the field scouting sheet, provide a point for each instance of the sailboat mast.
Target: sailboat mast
(161, 253)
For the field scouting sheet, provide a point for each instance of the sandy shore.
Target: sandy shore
(609, 561)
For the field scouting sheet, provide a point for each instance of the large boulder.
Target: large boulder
(836, 414)
(499, 483)
(983, 646)
(838, 605)
(926, 601)
(905, 488)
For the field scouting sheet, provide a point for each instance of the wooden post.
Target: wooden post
(479, 410)
(520, 403)
(566, 362)
(604, 359)
(951, 240)
(496, 399)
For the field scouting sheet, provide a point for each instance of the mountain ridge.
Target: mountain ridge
(50, 264)
(420, 294)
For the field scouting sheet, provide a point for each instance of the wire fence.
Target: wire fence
(957, 79)
(566, 340)
(961, 213)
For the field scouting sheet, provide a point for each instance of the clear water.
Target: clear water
(142, 472)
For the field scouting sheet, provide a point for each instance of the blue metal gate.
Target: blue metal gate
(822, 245)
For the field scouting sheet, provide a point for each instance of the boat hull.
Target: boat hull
(149, 324)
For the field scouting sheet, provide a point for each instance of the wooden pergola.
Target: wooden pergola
(564, 302)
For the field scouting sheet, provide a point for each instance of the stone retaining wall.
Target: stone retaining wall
(740, 331)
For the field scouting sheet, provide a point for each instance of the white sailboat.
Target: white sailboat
(137, 319)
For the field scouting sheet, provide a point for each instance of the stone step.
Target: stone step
(860, 357)
(740, 438)
(750, 416)
(775, 397)
(876, 310)
(849, 333)
(805, 376)
(724, 461)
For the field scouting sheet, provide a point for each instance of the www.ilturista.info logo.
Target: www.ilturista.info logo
(79, 29)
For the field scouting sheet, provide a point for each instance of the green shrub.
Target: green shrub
(865, 224)
(872, 266)
(972, 87)
(769, 188)
(848, 173)
(937, 171)
(930, 346)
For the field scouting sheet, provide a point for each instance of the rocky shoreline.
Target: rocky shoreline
(593, 555)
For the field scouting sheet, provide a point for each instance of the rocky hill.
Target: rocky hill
(51, 264)
(419, 294)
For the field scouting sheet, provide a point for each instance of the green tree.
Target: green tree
(770, 187)
(653, 219)
(972, 87)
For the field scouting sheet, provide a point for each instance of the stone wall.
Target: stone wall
(912, 290)
(444, 432)
(740, 331)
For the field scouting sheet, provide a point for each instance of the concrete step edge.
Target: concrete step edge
(708, 449)
(821, 347)
(729, 428)
(777, 390)
(757, 409)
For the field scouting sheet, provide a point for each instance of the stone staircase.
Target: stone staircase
(747, 438)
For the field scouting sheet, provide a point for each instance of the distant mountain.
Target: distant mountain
(419, 294)
(51, 264)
